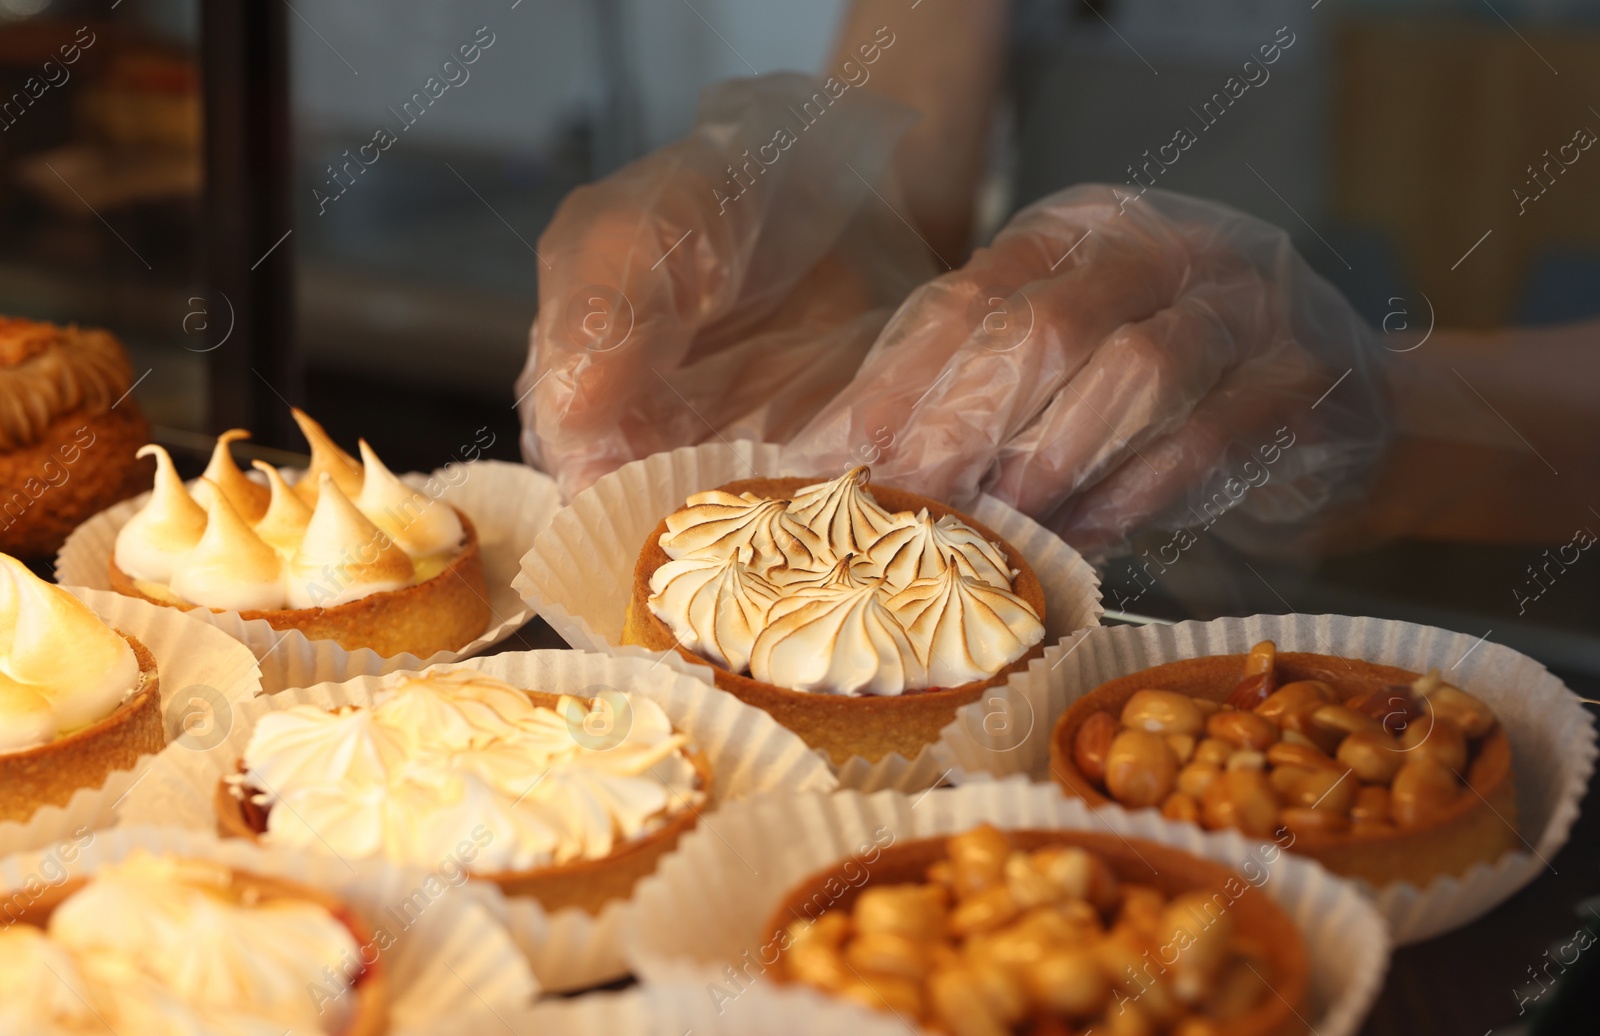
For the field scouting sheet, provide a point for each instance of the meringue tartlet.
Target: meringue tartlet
(860, 619)
(67, 427)
(567, 800)
(78, 700)
(1373, 771)
(349, 553)
(167, 946)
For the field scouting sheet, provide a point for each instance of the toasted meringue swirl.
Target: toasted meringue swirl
(800, 592)
(965, 629)
(837, 640)
(61, 667)
(239, 543)
(458, 756)
(722, 601)
(167, 947)
(926, 548)
(844, 513)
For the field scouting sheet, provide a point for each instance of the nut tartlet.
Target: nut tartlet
(349, 553)
(1376, 772)
(67, 427)
(510, 784)
(78, 699)
(1047, 932)
(860, 619)
(162, 944)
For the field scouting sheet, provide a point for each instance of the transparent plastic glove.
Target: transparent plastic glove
(725, 285)
(1113, 364)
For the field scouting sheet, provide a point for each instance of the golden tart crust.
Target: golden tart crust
(49, 774)
(371, 1014)
(1173, 872)
(1477, 827)
(586, 884)
(443, 613)
(841, 726)
(65, 439)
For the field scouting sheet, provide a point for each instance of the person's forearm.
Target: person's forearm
(1499, 437)
(944, 62)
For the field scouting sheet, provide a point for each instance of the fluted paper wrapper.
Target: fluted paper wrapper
(579, 574)
(1552, 737)
(509, 504)
(749, 753)
(198, 668)
(451, 961)
(704, 908)
(676, 1008)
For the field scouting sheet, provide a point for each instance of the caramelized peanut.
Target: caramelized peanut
(915, 911)
(1373, 757)
(1202, 925)
(1473, 717)
(1342, 720)
(984, 911)
(1285, 779)
(1291, 697)
(1080, 874)
(978, 858)
(1213, 751)
(1140, 769)
(1245, 759)
(1162, 712)
(1322, 788)
(1285, 754)
(1372, 804)
(1092, 742)
(817, 964)
(887, 954)
(1182, 746)
(1439, 739)
(1181, 807)
(1241, 799)
(1244, 729)
(1068, 981)
(1261, 659)
(1422, 790)
(1029, 886)
(960, 1003)
(1194, 779)
(1303, 820)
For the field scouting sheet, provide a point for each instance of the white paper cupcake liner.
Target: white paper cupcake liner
(450, 962)
(508, 503)
(1552, 736)
(703, 910)
(749, 752)
(579, 574)
(676, 1008)
(200, 669)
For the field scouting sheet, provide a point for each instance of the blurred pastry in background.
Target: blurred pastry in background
(67, 430)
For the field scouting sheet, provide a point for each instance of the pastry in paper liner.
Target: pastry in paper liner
(579, 574)
(1552, 737)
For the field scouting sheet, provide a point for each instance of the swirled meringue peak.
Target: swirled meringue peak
(326, 459)
(797, 592)
(231, 567)
(170, 947)
(456, 755)
(719, 524)
(421, 525)
(837, 640)
(343, 556)
(247, 496)
(926, 548)
(284, 523)
(714, 606)
(965, 629)
(155, 539)
(844, 513)
(61, 667)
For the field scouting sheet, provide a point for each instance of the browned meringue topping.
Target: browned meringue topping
(48, 371)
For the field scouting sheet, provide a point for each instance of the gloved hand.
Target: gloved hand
(726, 285)
(1112, 364)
